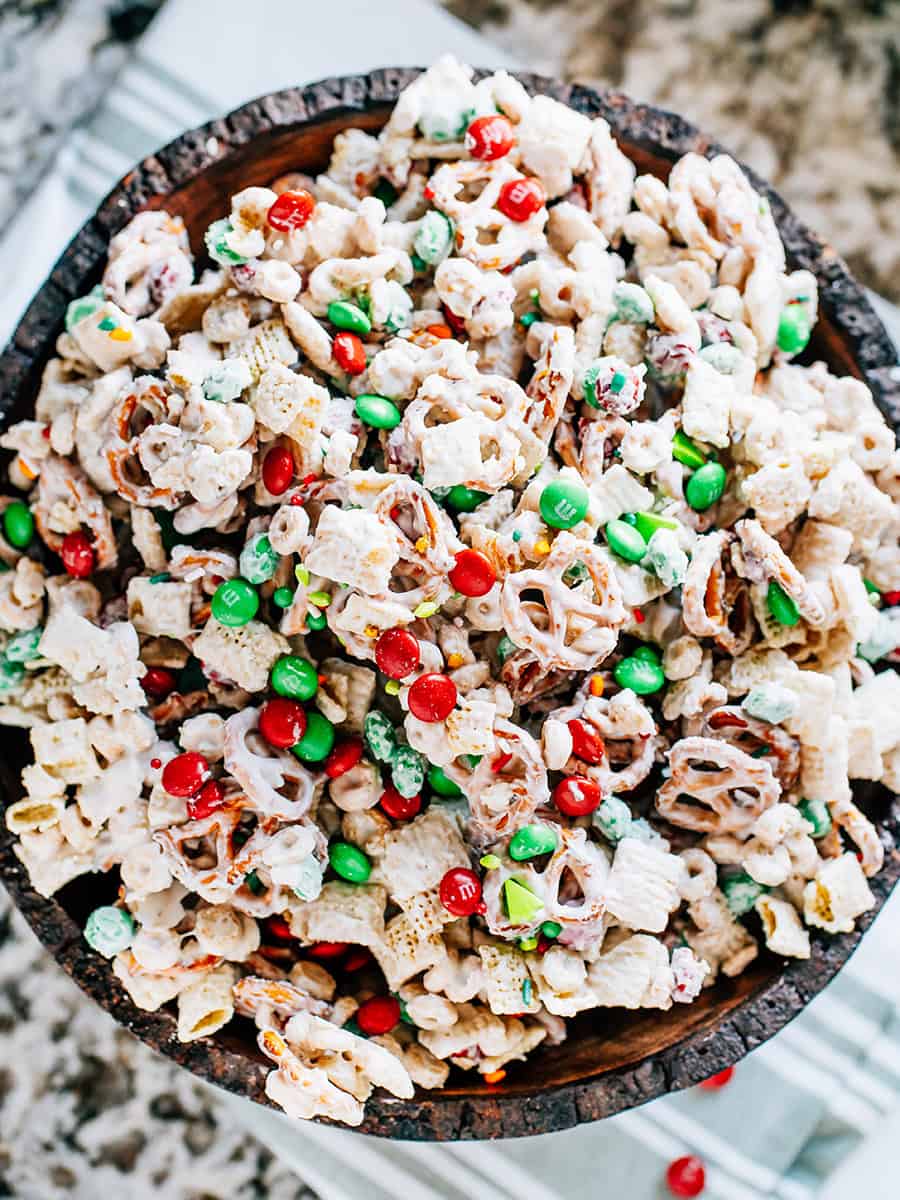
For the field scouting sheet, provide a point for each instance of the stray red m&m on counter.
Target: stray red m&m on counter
(278, 470)
(686, 1176)
(460, 892)
(282, 722)
(379, 1015)
(520, 199)
(472, 573)
(491, 137)
(185, 774)
(291, 210)
(577, 796)
(716, 1082)
(397, 653)
(77, 554)
(432, 697)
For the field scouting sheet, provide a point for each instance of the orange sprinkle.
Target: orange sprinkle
(455, 660)
(422, 544)
(542, 547)
(371, 631)
(597, 685)
(439, 331)
(120, 335)
(494, 1076)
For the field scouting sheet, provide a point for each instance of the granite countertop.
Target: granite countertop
(806, 91)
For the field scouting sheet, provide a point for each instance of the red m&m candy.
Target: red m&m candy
(379, 1015)
(291, 210)
(432, 697)
(586, 744)
(185, 774)
(577, 796)
(460, 892)
(278, 470)
(397, 653)
(472, 574)
(158, 682)
(520, 199)
(77, 554)
(720, 1080)
(210, 797)
(686, 1176)
(343, 757)
(490, 137)
(282, 722)
(397, 807)
(349, 353)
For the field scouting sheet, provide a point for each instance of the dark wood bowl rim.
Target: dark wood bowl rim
(751, 1015)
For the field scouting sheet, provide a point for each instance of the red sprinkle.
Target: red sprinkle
(432, 697)
(45, 432)
(155, 763)
(358, 958)
(489, 138)
(715, 1082)
(397, 807)
(472, 573)
(397, 653)
(77, 554)
(308, 479)
(577, 796)
(520, 199)
(379, 1015)
(278, 470)
(291, 210)
(638, 616)
(343, 757)
(456, 323)
(460, 892)
(297, 501)
(500, 762)
(349, 352)
(185, 774)
(282, 722)
(724, 720)
(686, 1176)
(891, 599)
(327, 949)
(211, 797)
(586, 744)
(277, 927)
(158, 682)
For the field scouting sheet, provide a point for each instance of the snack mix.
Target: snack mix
(454, 610)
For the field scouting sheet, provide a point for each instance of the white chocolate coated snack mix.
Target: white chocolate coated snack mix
(452, 610)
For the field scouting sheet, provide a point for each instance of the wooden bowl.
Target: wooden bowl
(613, 1059)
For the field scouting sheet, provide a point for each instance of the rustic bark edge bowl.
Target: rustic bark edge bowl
(613, 1060)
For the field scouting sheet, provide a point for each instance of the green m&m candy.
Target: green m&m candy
(349, 862)
(318, 740)
(22, 647)
(377, 411)
(551, 929)
(816, 814)
(643, 675)
(647, 653)
(18, 524)
(780, 605)
(463, 499)
(794, 328)
(705, 486)
(439, 782)
(531, 841)
(625, 540)
(283, 597)
(234, 603)
(295, 677)
(564, 503)
(316, 621)
(687, 451)
(109, 930)
(346, 315)
(434, 237)
(258, 561)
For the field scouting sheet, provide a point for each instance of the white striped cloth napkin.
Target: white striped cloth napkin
(799, 1105)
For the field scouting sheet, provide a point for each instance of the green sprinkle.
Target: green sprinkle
(528, 319)
(517, 535)
(302, 574)
(107, 325)
(527, 985)
(781, 606)
(528, 943)
(319, 599)
(490, 862)
(162, 577)
(617, 382)
(505, 647)
(254, 883)
(385, 192)
(551, 929)
(392, 687)
(760, 752)
(418, 264)
(426, 609)
(816, 814)
(352, 1027)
